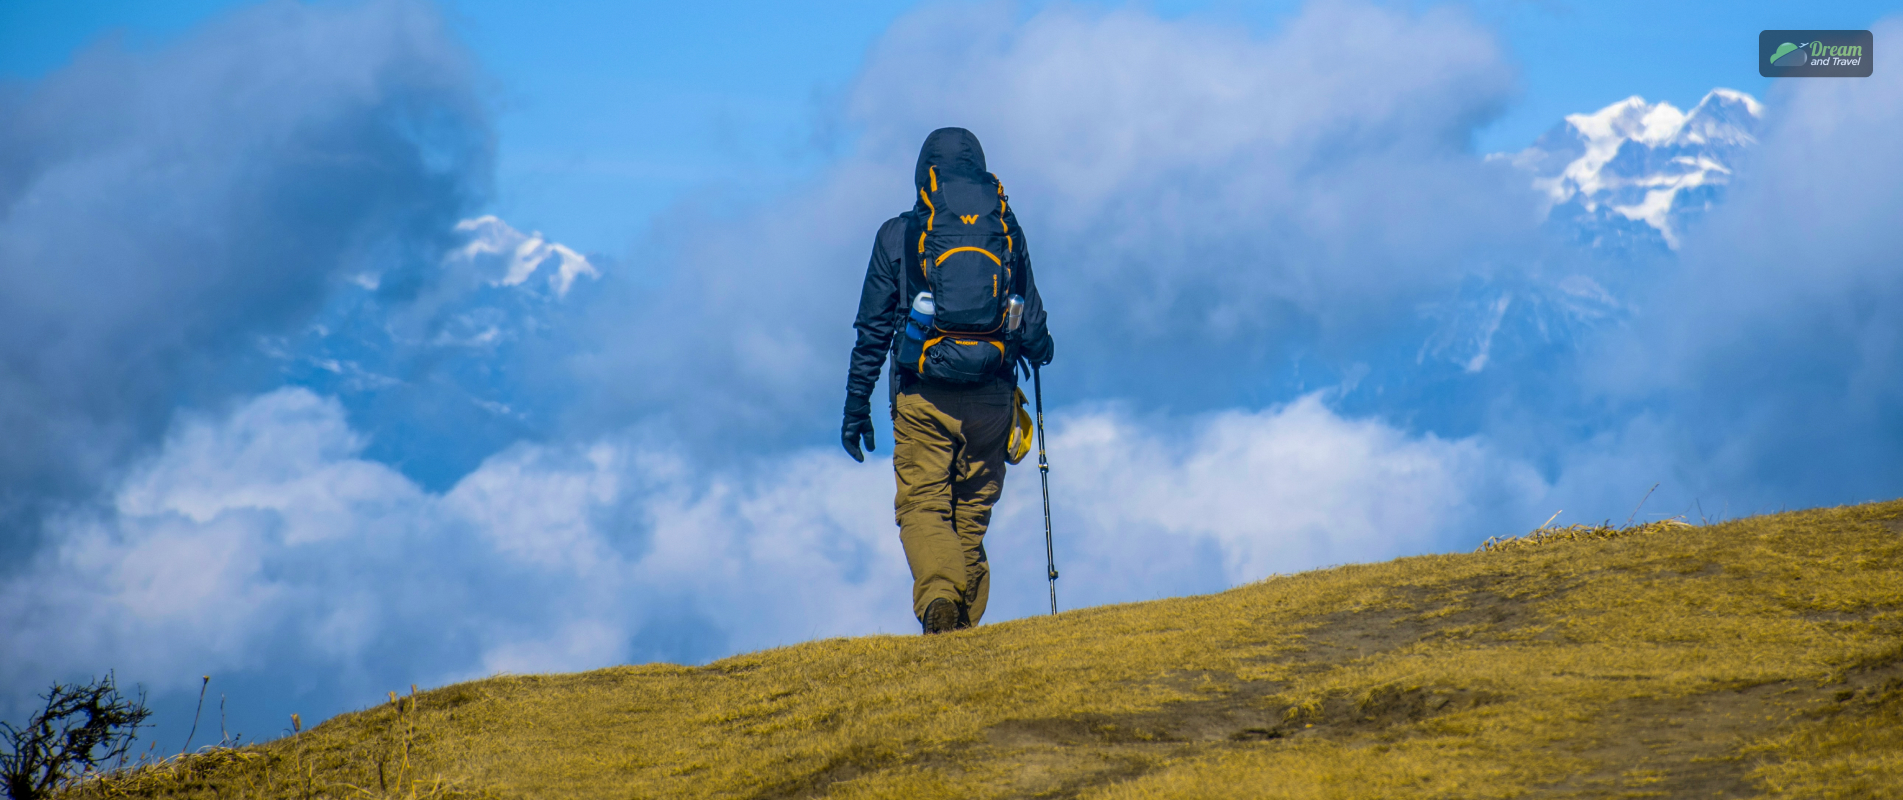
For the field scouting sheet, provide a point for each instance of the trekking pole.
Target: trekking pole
(1044, 474)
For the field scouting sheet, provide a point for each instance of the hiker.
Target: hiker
(949, 295)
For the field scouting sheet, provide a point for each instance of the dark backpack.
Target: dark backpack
(964, 252)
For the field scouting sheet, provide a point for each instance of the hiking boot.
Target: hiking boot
(941, 616)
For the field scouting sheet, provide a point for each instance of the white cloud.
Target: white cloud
(206, 551)
(1261, 492)
(288, 452)
(262, 538)
(537, 508)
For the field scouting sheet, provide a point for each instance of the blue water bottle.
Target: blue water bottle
(920, 320)
(918, 325)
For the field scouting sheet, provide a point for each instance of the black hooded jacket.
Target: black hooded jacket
(955, 151)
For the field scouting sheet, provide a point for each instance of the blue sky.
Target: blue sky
(360, 345)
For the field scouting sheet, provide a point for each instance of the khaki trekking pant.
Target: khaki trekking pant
(948, 452)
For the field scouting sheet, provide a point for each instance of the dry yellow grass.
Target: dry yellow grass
(1760, 657)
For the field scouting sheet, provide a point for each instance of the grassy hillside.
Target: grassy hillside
(1761, 657)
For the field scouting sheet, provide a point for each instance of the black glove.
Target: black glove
(858, 426)
(1039, 351)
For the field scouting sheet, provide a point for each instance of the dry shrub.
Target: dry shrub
(1580, 533)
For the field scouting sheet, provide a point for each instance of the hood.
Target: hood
(955, 151)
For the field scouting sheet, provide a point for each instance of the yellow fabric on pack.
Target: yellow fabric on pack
(1022, 432)
(988, 254)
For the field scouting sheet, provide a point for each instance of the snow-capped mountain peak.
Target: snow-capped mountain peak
(1634, 165)
(1725, 116)
(499, 247)
(1631, 118)
(1625, 181)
